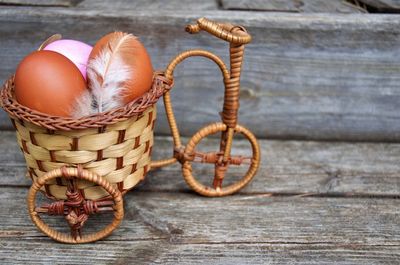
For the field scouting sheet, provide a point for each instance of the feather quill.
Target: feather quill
(49, 40)
(108, 74)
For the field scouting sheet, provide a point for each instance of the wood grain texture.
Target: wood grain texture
(63, 3)
(306, 76)
(305, 6)
(156, 252)
(311, 203)
(287, 167)
(169, 228)
(260, 5)
(383, 5)
(141, 5)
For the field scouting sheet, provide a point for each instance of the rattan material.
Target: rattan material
(87, 164)
(120, 153)
(213, 158)
(82, 164)
(134, 108)
(237, 37)
(74, 219)
(116, 144)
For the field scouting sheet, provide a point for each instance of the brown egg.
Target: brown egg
(48, 82)
(133, 55)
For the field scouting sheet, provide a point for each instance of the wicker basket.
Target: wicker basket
(115, 145)
(120, 153)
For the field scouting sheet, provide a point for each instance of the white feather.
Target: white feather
(84, 105)
(108, 93)
(107, 75)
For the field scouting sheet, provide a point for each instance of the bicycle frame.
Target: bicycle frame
(237, 37)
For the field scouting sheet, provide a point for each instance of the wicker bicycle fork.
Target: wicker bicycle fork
(86, 165)
(237, 38)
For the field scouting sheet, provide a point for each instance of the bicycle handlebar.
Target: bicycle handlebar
(225, 31)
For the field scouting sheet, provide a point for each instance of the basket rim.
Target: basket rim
(160, 85)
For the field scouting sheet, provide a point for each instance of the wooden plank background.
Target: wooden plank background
(310, 203)
(287, 167)
(306, 76)
(304, 6)
(179, 228)
(384, 5)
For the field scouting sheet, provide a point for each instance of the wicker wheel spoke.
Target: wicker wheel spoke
(207, 157)
(221, 168)
(214, 157)
(102, 207)
(75, 208)
(221, 164)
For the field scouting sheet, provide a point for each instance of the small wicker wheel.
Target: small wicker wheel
(69, 173)
(232, 188)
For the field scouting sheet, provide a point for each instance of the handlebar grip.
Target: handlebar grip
(224, 31)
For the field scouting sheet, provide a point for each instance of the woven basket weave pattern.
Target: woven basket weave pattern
(119, 152)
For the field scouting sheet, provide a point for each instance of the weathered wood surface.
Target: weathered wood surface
(64, 3)
(311, 203)
(154, 5)
(287, 167)
(191, 219)
(306, 76)
(171, 228)
(383, 5)
(306, 6)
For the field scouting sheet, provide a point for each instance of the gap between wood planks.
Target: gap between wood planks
(261, 194)
(109, 241)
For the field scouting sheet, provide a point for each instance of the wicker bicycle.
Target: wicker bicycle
(86, 165)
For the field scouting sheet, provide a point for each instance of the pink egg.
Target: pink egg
(76, 51)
